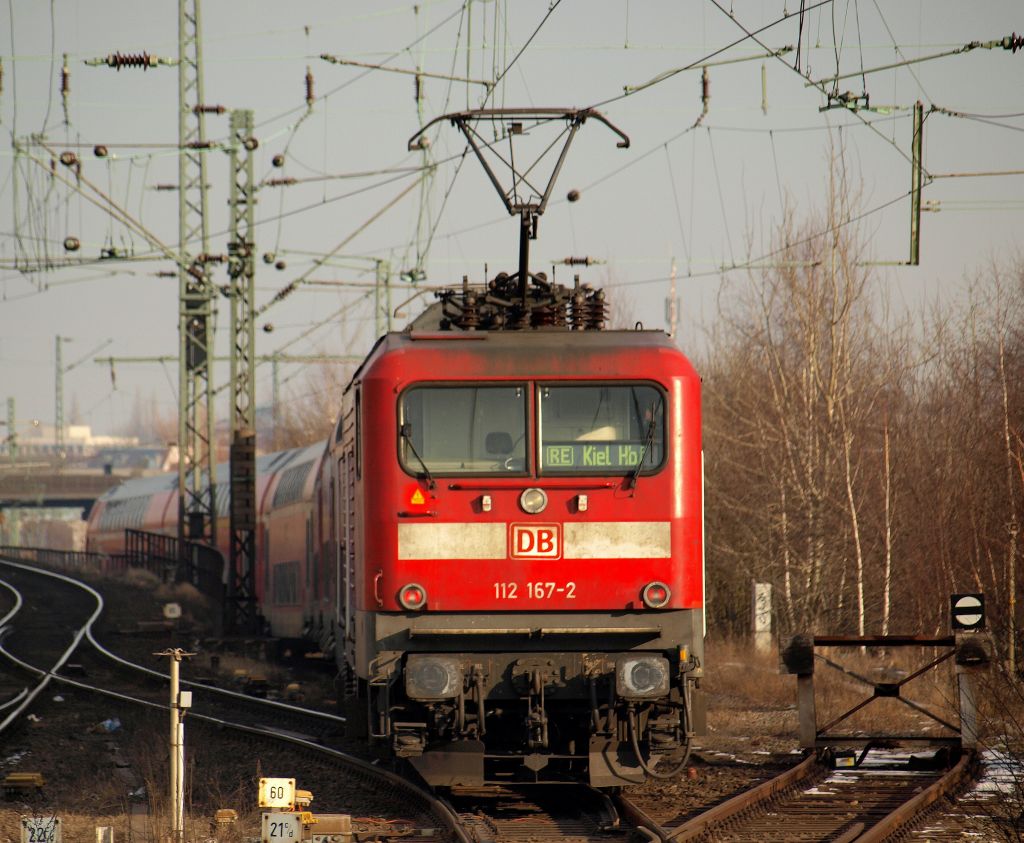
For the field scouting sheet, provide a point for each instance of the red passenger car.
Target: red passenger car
(283, 575)
(516, 522)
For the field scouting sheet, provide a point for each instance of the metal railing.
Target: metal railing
(75, 560)
(200, 565)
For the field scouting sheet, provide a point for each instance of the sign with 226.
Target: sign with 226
(41, 830)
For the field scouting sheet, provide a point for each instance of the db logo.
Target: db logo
(536, 541)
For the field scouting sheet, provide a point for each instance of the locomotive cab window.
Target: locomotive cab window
(601, 428)
(463, 429)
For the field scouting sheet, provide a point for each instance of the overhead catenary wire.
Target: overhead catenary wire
(752, 263)
(899, 52)
(935, 109)
(668, 74)
(288, 288)
(162, 249)
(551, 8)
(53, 62)
(856, 113)
(652, 150)
(391, 57)
(675, 197)
(706, 58)
(721, 196)
(966, 48)
(436, 223)
(398, 177)
(442, 22)
(420, 74)
(110, 207)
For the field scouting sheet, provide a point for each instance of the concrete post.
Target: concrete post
(798, 659)
(974, 654)
(761, 621)
(176, 776)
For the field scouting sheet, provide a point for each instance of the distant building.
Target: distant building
(85, 449)
(79, 441)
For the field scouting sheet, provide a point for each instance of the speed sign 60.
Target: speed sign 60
(277, 793)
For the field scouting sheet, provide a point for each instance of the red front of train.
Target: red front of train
(517, 519)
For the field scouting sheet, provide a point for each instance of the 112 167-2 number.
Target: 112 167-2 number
(535, 590)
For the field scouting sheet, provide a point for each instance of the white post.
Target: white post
(176, 835)
(176, 776)
(761, 623)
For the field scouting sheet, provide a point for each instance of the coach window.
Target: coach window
(463, 429)
(601, 428)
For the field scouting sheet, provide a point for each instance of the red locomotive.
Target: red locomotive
(517, 523)
(502, 540)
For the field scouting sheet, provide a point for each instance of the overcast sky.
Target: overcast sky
(707, 197)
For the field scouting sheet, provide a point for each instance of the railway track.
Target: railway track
(887, 792)
(36, 625)
(423, 813)
(808, 802)
(575, 813)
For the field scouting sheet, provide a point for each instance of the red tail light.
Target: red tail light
(656, 595)
(413, 597)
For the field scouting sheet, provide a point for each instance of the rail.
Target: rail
(46, 676)
(911, 810)
(859, 805)
(445, 817)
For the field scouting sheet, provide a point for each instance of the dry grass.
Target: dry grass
(748, 699)
(141, 578)
(749, 692)
(736, 672)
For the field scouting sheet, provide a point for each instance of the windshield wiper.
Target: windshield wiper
(648, 441)
(406, 431)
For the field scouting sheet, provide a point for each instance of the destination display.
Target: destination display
(564, 455)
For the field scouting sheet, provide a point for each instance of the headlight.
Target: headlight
(533, 500)
(643, 677)
(432, 678)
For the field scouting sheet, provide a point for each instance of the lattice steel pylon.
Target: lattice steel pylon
(197, 475)
(240, 607)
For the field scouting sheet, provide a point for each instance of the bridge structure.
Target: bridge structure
(45, 487)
